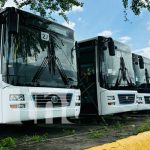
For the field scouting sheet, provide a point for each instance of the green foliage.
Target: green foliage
(144, 127)
(118, 125)
(38, 138)
(95, 134)
(136, 6)
(7, 142)
(47, 7)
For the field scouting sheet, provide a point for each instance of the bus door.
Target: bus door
(87, 80)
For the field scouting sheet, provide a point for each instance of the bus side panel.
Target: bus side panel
(1, 107)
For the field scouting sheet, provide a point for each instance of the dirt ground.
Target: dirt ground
(78, 137)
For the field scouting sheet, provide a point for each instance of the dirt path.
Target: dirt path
(88, 136)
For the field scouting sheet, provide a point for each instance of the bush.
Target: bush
(7, 142)
(142, 128)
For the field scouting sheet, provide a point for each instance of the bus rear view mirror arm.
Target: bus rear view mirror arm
(141, 62)
(107, 43)
(111, 47)
(13, 21)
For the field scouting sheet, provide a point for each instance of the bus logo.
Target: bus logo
(54, 99)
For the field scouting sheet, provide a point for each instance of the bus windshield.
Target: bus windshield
(41, 54)
(141, 74)
(116, 72)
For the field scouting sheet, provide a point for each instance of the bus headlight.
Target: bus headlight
(110, 97)
(16, 97)
(14, 106)
(139, 98)
(78, 100)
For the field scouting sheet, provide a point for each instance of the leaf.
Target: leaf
(47, 7)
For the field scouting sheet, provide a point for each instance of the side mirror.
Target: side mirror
(13, 21)
(141, 62)
(76, 45)
(111, 47)
(77, 49)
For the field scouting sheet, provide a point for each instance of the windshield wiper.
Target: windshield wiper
(40, 70)
(122, 75)
(58, 64)
(61, 71)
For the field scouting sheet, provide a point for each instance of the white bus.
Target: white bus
(106, 77)
(38, 71)
(141, 67)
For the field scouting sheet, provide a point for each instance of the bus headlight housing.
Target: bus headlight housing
(78, 100)
(111, 97)
(16, 97)
(139, 98)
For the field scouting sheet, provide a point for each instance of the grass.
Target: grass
(39, 138)
(68, 131)
(7, 143)
(95, 134)
(117, 125)
(144, 127)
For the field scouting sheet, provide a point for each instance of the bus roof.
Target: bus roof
(120, 45)
(33, 15)
(146, 59)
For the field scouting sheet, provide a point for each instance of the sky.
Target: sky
(106, 18)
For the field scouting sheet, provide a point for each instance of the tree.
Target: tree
(136, 6)
(47, 7)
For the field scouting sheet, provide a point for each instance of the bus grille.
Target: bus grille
(52, 100)
(126, 98)
(147, 99)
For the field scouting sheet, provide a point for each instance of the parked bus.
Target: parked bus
(38, 71)
(106, 77)
(141, 67)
